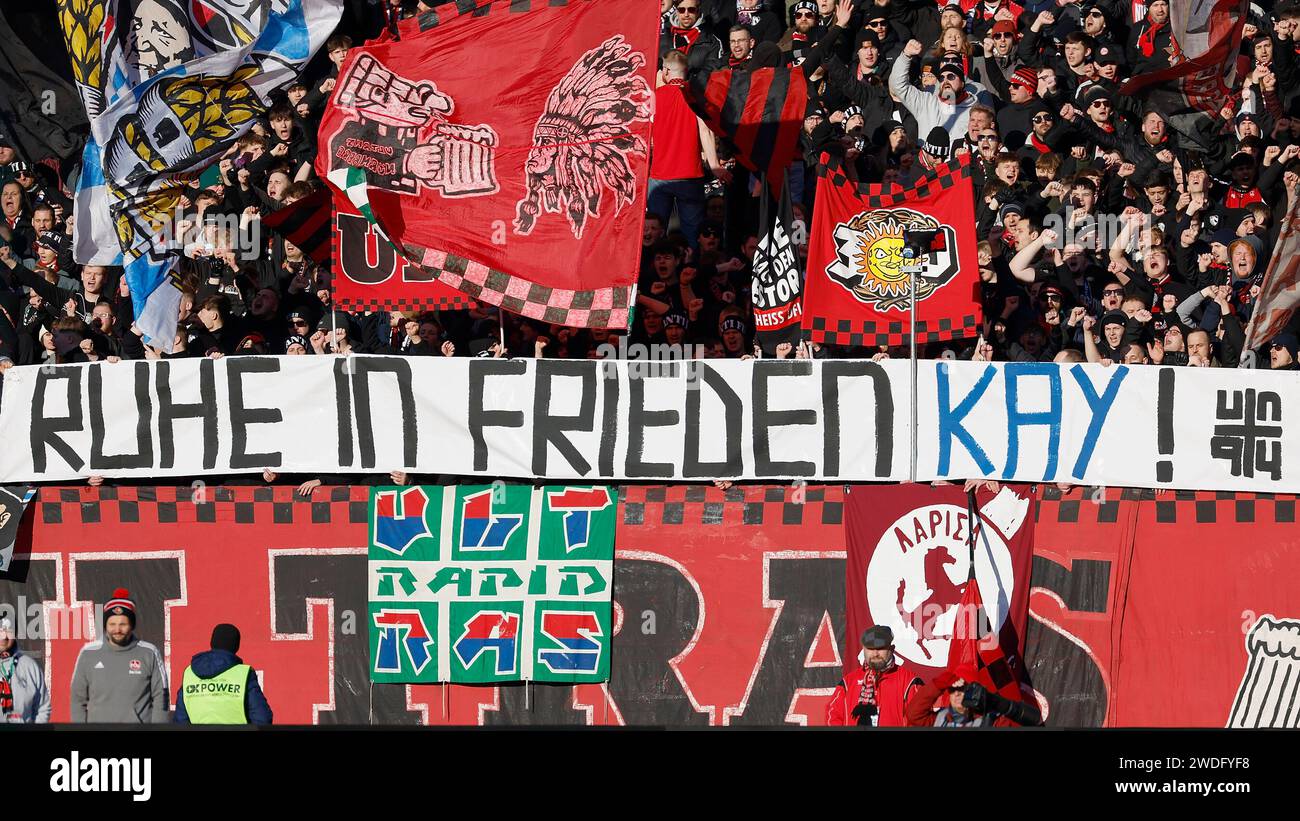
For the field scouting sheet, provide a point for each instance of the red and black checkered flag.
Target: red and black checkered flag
(306, 223)
(857, 291)
(761, 112)
(975, 653)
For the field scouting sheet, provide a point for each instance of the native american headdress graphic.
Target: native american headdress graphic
(582, 141)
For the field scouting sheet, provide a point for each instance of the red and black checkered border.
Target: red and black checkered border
(856, 332)
(640, 505)
(500, 288)
(742, 505)
(199, 505)
(943, 177)
(397, 305)
(1088, 505)
(739, 506)
(447, 12)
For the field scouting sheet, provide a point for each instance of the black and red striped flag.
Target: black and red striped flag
(761, 111)
(306, 223)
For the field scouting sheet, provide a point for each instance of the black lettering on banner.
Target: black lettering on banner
(143, 456)
(478, 418)
(549, 429)
(1246, 441)
(241, 417)
(355, 240)
(608, 419)
(832, 372)
(765, 419)
(363, 367)
(343, 408)
(808, 589)
(1165, 425)
(45, 428)
(340, 578)
(152, 582)
(1058, 667)
(169, 412)
(638, 419)
(642, 682)
(701, 374)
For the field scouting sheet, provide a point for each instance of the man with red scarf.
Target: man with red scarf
(875, 695)
(1151, 43)
(683, 31)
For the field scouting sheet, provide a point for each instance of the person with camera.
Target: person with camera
(952, 700)
(878, 692)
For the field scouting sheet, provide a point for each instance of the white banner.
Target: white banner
(828, 420)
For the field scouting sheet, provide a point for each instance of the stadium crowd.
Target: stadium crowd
(1112, 227)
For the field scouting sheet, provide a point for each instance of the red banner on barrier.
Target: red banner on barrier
(909, 561)
(1172, 610)
(728, 606)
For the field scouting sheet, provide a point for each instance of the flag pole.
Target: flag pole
(911, 329)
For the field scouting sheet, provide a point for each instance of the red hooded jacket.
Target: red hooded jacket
(895, 689)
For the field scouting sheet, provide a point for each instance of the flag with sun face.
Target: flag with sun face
(858, 289)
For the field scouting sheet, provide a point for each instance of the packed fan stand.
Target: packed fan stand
(378, 364)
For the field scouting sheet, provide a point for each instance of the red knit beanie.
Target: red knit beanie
(1026, 78)
(120, 605)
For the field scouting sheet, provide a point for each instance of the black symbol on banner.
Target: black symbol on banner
(1247, 444)
(1165, 424)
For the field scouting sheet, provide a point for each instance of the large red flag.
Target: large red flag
(976, 652)
(504, 149)
(857, 292)
(909, 565)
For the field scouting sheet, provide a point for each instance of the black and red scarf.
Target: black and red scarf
(871, 682)
(1147, 39)
(683, 39)
(6, 689)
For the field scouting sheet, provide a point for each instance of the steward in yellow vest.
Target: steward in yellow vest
(218, 688)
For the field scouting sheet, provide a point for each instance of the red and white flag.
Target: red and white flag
(1279, 293)
(504, 150)
(857, 290)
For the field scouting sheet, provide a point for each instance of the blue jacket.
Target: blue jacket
(212, 663)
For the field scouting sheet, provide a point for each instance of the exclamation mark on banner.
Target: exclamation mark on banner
(1165, 425)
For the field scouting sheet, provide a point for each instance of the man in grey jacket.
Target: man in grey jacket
(24, 698)
(119, 679)
(948, 107)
